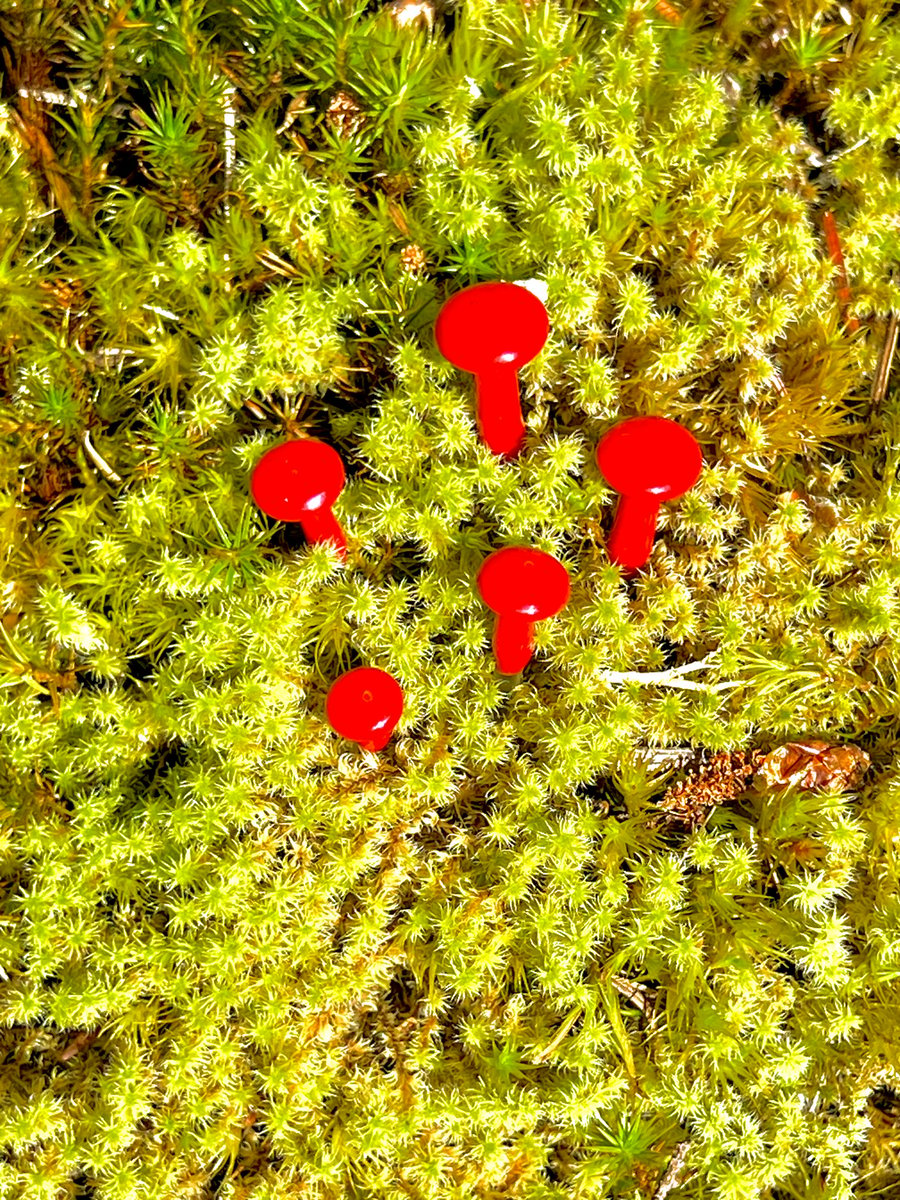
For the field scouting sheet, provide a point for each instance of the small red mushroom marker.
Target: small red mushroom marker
(364, 705)
(522, 586)
(647, 460)
(300, 481)
(491, 330)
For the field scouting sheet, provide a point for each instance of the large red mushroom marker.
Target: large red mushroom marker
(647, 460)
(300, 481)
(522, 586)
(491, 330)
(365, 705)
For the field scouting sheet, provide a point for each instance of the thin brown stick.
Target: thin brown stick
(885, 359)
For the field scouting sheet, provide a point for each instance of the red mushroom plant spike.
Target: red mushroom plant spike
(365, 705)
(491, 330)
(522, 586)
(647, 460)
(300, 481)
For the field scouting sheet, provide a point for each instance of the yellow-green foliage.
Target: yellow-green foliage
(241, 958)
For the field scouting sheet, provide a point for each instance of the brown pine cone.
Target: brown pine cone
(725, 776)
(345, 114)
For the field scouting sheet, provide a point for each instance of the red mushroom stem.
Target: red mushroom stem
(499, 409)
(842, 287)
(513, 642)
(321, 525)
(633, 531)
(379, 738)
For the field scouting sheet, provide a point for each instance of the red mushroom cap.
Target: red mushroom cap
(365, 705)
(650, 456)
(491, 325)
(296, 478)
(523, 581)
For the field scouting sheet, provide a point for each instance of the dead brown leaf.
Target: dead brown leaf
(813, 765)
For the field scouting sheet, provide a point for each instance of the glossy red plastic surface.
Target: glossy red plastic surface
(490, 330)
(522, 585)
(647, 460)
(364, 705)
(300, 481)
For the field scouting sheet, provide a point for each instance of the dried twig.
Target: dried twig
(671, 677)
(723, 777)
(100, 463)
(672, 1176)
(817, 160)
(68, 99)
(229, 118)
(654, 756)
(46, 96)
(43, 156)
(885, 359)
(104, 356)
(543, 1055)
(638, 993)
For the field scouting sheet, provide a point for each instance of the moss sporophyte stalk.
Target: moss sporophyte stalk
(620, 924)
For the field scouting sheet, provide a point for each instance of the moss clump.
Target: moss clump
(244, 960)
